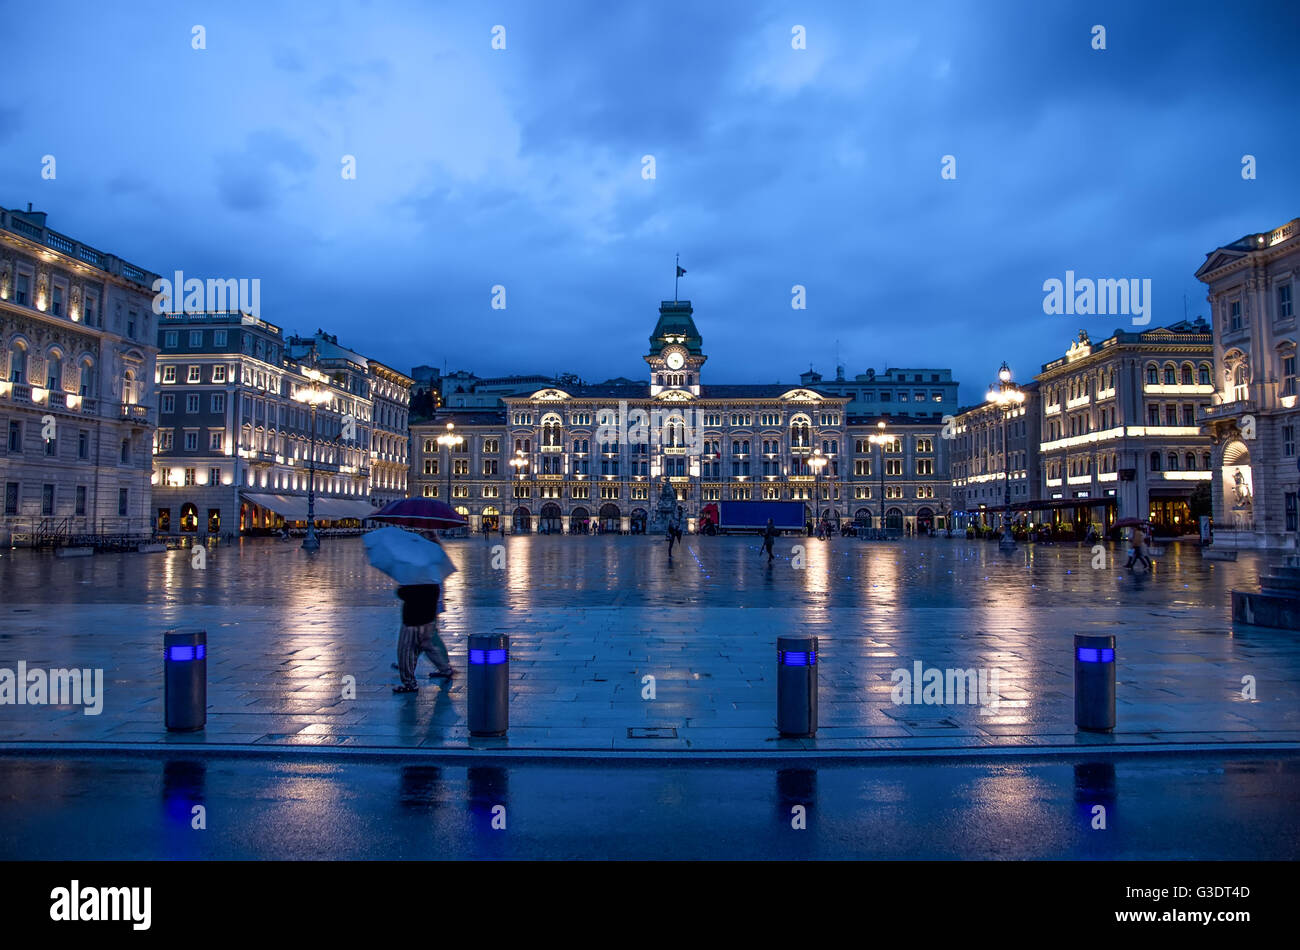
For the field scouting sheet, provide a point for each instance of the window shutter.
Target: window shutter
(36, 371)
(5, 359)
(71, 379)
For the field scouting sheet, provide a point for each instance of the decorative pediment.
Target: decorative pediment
(550, 395)
(674, 395)
(800, 395)
(1219, 259)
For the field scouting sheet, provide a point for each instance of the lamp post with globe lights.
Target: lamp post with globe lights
(519, 463)
(450, 440)
(817, 463)
(1007, 396)
(312, 396)
(881, 438)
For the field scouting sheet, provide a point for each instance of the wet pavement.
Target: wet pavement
(1174, 807)
(591, 617)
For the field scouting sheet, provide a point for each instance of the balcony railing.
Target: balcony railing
(136, 412)
(1226, 410)
(65, 245)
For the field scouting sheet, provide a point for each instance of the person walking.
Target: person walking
(1137, 547)
(769, 536)
(419, 634)
(1148, 543)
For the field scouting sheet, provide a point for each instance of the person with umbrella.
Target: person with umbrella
(419, 566)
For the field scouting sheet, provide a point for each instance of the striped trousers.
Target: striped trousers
(411, 642)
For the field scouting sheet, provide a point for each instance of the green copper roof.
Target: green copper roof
(675, 321)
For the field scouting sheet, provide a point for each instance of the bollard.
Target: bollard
(489, 685)
(185, 678)
(1094, 682)
(796, 686)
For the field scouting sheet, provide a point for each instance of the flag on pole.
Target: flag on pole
(681, 271)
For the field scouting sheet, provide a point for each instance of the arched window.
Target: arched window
(18, 362)
(551, 431)
(1203, 374)
(1239, 379)
(54, 371)
(1191, 461)
(800, 431)
(1209, 461)
(1187, 374)
(1153, 374)
(1155, 461)
(1173, 461)
(1171, 375)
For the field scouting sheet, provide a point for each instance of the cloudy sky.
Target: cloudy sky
(774, 167)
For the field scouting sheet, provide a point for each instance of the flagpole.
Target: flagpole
(677, 267)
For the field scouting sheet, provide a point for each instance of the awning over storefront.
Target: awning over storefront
(294, 507)
(1048, 504)
(337, 509)
(290, 507)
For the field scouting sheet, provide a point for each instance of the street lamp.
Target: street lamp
(313, 396)
(1007, 396)
(519, 463)
(880, 438)
(450, 440)
(816, 462)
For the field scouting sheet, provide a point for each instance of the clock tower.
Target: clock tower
(676, 352)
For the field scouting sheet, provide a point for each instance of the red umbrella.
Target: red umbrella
(420, 513)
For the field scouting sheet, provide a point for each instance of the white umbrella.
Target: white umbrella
(406, 557)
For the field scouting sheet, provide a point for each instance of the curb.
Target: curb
(570, 756)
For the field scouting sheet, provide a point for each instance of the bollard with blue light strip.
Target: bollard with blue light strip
(796, 686)
(185, 679)
(489, 685)
(1094, 682)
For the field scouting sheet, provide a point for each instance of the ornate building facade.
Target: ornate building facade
(77, 353)
(235, 447)
(559, 459)
(390, 461)
(985, 461)
(597, 454)
(1121, 435)
(1253, 418)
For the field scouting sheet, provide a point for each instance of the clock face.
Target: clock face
(675, 360)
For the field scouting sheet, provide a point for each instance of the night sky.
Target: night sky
(774, 167)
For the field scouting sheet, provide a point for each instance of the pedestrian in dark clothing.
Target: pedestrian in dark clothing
(769, 536)
(419, 634)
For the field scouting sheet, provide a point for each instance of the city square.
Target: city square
(732, 435)
(589, 618)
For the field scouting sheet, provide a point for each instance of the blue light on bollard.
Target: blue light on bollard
(796, 686)
(796, 657)
(488, 689)
(1094, 682)
(185, 680)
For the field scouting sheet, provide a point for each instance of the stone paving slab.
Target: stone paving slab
(279, 680)
(590, 617)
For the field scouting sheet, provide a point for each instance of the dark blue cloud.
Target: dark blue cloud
(774, 167)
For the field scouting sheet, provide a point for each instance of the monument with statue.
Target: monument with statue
(665, 512)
